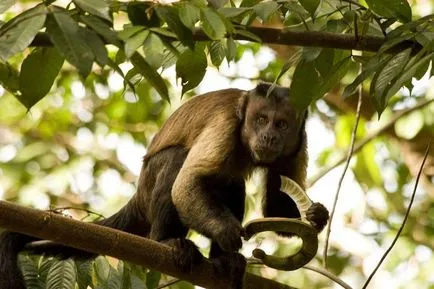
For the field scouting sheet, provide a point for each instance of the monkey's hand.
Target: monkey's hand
(317, 215)
(229, 236)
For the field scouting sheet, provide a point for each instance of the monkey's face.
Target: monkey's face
(270, 129)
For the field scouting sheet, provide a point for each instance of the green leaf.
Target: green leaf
(231, 49)
(189, 14)
(62, 275)
(325, 61)
(38, 72)
(115, 278)
(142, 13)
(152, 279)
(30, 272)
(100, 272)
(98, 8)
(191, 67)
(64, 33)
(248, 35)
(151, 75)
(310, 5)
(395, 41)
(217, 52)
(96, 45)
(399, 9)
(265, 9)
(406, 75)
(171, 16)
(368, 69)
(304, 85)
(84, 269)
(154, 50)
(19, 32)
(336, 73)
(385, 77)
(249, 3)
(212, 24)
(233, 12)
(5, 5)
(9, 77)
(163, 32)
(44, 267)
(130, 31)
(101, 28)
(133, 43)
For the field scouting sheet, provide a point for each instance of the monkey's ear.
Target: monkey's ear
(241, 106)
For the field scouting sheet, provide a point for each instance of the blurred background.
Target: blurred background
(81, 148)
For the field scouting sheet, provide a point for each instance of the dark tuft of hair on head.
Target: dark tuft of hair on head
(272, 90)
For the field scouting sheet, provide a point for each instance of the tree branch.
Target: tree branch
(284, 36)
(106, 241)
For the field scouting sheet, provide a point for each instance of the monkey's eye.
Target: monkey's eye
(261, 120)
(282, 125)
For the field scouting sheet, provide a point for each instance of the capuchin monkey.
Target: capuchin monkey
(193, 177)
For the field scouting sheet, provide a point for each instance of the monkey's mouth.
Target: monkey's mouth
(265, 155)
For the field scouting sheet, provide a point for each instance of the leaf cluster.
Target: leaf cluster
(194, 34)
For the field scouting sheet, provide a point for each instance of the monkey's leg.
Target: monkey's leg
(166, 227)
(231, 264)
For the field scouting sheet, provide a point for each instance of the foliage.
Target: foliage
(81, 31)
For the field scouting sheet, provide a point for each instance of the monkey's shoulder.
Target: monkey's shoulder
(215, 109)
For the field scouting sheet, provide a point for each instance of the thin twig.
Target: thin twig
(405, 218)
(347, 164)
(329, 275)
(370, 137)
(89, 212)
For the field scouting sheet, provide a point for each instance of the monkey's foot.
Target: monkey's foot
(232, 265)
(186, 255)
(318, 216)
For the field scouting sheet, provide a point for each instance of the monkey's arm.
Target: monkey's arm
(278, 203)
(198, 208)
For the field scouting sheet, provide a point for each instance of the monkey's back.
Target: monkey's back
(188, 121)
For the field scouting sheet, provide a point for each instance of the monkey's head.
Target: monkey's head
(271, 127)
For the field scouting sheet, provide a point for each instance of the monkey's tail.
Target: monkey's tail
(128, 219)
(10, 245)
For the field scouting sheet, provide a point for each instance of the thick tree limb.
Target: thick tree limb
(107, 241)
(285, 37)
